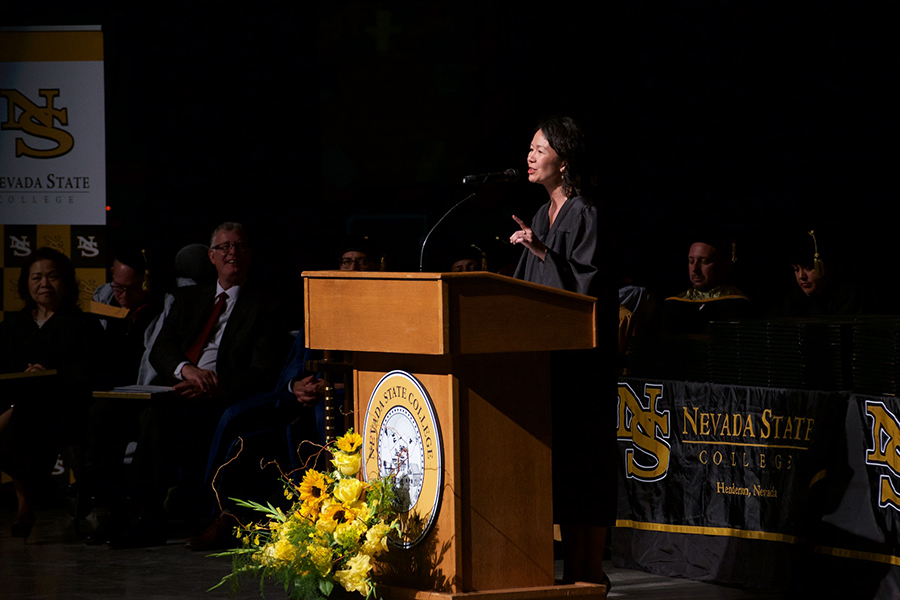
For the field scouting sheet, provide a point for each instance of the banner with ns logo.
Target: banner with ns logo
(721, 460)
(711, 475)
(864, 522)
(52, 152)
(52, 126)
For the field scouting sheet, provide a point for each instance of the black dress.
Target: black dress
(582, 381)
(47, 409)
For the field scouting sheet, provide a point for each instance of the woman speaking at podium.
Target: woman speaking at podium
(562, 250)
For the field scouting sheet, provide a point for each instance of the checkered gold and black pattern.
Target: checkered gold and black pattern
(84, 244)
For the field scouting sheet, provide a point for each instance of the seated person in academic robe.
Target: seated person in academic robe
(467, 258)
(285, 427)
(37, 413)
(710, 297)
(219, 345)
(819, 291)
(359, 254)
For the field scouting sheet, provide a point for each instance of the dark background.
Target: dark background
(309, 121)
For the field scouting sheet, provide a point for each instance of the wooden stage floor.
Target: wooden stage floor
(54, 564)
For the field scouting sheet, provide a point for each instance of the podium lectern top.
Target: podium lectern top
(443, 313)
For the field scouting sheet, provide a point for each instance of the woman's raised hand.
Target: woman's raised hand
(526, 237)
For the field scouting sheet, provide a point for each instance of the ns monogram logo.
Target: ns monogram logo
(885, 451)
(648, 429)
(20, 245)
(38, 121)
(88, 246)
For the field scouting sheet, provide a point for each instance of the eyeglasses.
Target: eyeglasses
(125, 289)
(359, 262)
(228, 246)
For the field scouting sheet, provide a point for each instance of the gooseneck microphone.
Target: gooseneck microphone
(507, 176)
(430, 231)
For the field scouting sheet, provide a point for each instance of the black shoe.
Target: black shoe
(21, 527)
(218, 536)
(102, 533)
(143, 533)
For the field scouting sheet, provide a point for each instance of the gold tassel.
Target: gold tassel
(817, 262)
(483, 257)
(145, 285)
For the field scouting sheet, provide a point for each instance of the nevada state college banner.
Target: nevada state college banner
(52, 151)
(718, 460)
(864, 521)
(760, 487)
(52, 136)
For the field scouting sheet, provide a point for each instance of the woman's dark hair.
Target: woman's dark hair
(66, 275)
(566, 137)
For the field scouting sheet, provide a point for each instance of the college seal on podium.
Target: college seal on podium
(402, 437)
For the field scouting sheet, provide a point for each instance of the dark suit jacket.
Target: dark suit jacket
(251, 350)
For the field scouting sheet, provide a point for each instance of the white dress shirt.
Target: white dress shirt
(210, 351)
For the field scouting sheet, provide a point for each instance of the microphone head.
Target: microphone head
(507, 176)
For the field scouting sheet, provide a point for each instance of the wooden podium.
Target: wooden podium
(479, 345)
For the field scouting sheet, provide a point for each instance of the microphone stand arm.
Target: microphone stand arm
(441, 220)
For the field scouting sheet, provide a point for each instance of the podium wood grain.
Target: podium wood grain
(479, 343)
(443, 313)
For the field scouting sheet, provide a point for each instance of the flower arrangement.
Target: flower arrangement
(335, 528)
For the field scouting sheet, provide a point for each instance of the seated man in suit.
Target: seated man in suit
(297, 389)
(212, 346)
(128, 306)
(218, 346)
(192, 267)
(252, 425)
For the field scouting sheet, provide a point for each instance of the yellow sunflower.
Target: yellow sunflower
(314, 487)
(350, 442)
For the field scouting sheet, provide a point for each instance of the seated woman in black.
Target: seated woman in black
(49, 333)
(820, 290)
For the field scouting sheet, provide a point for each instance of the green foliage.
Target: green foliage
(331, 533)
